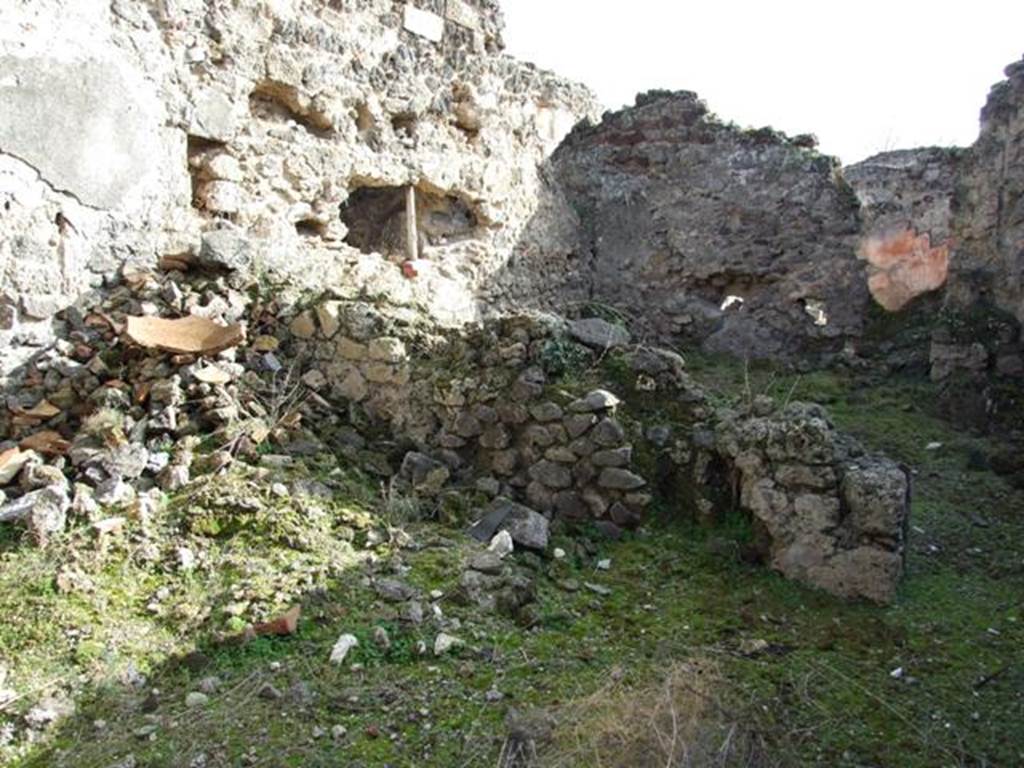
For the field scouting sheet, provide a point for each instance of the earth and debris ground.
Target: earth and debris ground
(126, 650)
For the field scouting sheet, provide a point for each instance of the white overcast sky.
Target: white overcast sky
(863, 75)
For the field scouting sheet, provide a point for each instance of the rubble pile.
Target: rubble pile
(118, 407)
(177, 373)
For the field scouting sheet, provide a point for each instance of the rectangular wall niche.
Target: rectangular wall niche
(377, 221)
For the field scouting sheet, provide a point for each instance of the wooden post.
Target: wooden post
(411, 231)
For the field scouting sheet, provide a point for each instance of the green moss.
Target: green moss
(562, 358)
(808, 674)
(978, 323)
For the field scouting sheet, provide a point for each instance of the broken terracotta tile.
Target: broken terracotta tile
(47, 442)
(186, 335)
(286, 624)
(44, 409)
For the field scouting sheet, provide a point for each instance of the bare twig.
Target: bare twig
(31, 694)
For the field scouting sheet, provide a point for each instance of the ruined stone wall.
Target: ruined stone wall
(488, 408)
(828, 513)
(989, 211)
(976, 350)
(679, 212)
(236, 132)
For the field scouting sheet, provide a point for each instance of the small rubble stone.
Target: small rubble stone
(342, 646)
(608, 433)
(599, 334)
(487, 562)
(546, 412)
(598, 401)
(578, 425)
(571, 506)
(303, 326)
(444, 643)
(269, 692)
(209, 685)
(381, 638)
(225, 248)
(615, 457)
(11, 462)
(618, 479)
(387, 350)
(393, 591)
(424, 473)
(44, 512)
(551, 474)
(501, 545)
(488, 485)
(329, 317)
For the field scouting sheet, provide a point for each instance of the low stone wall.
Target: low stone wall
(117, 410)
(479, 408)
(482, 412)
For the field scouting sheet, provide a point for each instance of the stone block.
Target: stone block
(462, 14)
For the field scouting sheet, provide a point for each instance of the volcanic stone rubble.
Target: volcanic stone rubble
(103, 424)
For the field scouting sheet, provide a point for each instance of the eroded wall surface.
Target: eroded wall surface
(742, 241)
(989, 225)
(135, 132)
(976, 346)
(906, 205)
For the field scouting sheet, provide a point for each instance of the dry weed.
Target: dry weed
(677, 722)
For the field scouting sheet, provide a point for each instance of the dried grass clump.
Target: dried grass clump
(677, 722)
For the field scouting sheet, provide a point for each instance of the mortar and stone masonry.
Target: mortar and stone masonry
(405, 188)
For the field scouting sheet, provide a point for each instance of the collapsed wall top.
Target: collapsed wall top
(742, 240)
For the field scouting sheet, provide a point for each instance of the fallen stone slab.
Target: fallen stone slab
(186, 335)
(526, 527)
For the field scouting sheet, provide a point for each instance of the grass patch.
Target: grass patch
(793, 677)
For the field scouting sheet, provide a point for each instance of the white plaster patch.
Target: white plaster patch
(424, 23)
